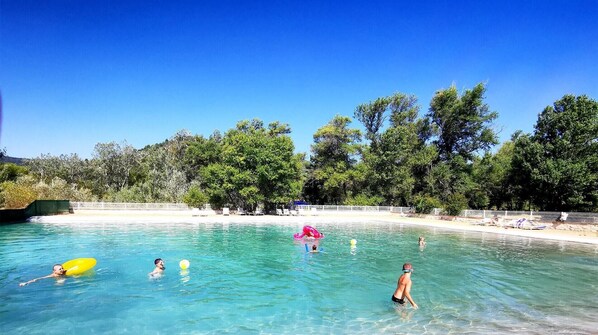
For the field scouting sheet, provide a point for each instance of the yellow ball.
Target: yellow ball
(184, 264)
(353, 242)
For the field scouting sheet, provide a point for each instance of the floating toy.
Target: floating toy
(308, 231)
(184, 264)
(78, 265)
(353, 242)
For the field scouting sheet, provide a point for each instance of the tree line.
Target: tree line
(446, 158)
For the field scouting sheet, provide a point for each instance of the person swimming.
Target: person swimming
(57, 272)
(159, 269)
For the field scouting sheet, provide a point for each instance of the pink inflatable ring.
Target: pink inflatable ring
(308, 231)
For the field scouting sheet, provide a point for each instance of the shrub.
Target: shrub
(364, 200)
(10, 172)
(17, 195)
(455, 204)
(195, 198)
(424, 204)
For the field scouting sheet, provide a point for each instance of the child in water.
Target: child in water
(159, 269)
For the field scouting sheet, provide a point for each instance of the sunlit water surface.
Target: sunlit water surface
(254, 278)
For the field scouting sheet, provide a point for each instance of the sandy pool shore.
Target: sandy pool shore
(165, 216)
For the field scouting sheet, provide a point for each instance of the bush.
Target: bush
(364, 200)
(424, 204)
(455, 204)
(15, 195)
(195, 198)
(23, 191)
(10, 172)
(134, 194)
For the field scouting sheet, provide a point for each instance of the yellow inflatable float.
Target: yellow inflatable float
(78, 265)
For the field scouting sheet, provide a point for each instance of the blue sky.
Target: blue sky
(77, 73)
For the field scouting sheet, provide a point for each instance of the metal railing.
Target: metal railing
(341, 208)
(573, 217)
(76, 205)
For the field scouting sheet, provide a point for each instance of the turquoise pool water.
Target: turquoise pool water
(254, 278)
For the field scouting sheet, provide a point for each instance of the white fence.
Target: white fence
(573, 217)
(339, 208)
(128, 206)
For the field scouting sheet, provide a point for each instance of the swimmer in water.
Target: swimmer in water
(57, 272)
(314, 248)
(159, 269)
(422, 241)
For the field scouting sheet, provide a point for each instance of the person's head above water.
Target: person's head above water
(314, 247)
(159, 263)
(407, 267)
(58, 270)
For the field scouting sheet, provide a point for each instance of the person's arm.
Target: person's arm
(34, 280)
(408, 295)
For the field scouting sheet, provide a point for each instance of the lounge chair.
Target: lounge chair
(524, 223)
(225, 211)
(314, 211)
(293, 212)
(286, 212)
(278, 211)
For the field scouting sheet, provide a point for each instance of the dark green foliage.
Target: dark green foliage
(455, 204)
(440, 158)
(333, 174)
(424, 204)
(256, 166)
(395, 155)
(364, 200)
(557, 166)
(195, 198)
(10, 172)
(462, 123)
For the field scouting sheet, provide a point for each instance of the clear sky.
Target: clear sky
(76, 73)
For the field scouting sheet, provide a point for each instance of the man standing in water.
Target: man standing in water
(159, 269)
(57, 272)
(404, 287)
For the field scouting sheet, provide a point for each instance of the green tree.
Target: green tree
(332, 177)
(461, 125)
(202, 152)
(396, 155)
(455, 204)
(557, 166)
(491, 175)
(10, 171)
(19, 193)
(195, 198)
(258, 166)
(114, 164)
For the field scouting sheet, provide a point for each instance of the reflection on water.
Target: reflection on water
(255, 277)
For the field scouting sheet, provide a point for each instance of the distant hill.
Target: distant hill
(14, 160)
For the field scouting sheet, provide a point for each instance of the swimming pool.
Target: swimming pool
(254, 278)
